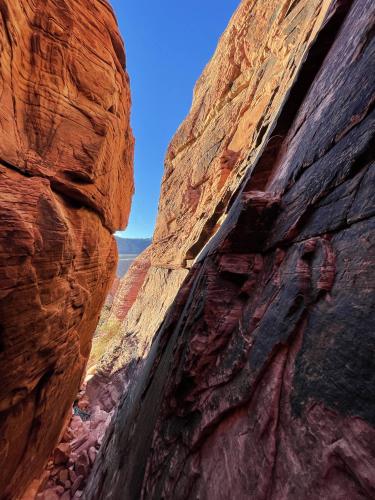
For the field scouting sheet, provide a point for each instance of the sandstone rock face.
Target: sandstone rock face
(128, 288)
(235, 101)
(64, 99)
(108, 363)
(65, 184)
(259, 382)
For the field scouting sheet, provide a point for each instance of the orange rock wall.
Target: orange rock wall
(235, 102)
(66, 183)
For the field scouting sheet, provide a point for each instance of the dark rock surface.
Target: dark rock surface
(259, 384)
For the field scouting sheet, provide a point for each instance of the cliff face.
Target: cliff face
(65, 184)
(259, 381)
(125, 334)
(235, 102)
(109, 331)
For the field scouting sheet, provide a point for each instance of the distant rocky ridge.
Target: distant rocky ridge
(133, 246)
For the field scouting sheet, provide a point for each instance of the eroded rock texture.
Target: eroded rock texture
(235, 102)
(65, 184)
(123, 339)
(259, 383)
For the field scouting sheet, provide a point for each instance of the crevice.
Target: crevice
(207, 230)
(78, 177)
(12, 167)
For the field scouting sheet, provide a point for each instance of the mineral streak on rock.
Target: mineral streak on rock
(259, 383)
(66, 182)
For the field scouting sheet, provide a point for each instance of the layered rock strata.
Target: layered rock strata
(123, 339)
(66, 182)
(259, 382)
(235, 103)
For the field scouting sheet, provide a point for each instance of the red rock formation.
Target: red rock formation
(123, 339)
(259, 384)
(114, 353)
(65, 184)
(70, 464)
(234, 103)
(128, 289)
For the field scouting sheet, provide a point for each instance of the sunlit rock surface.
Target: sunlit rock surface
(124, 337)
(66, 182)
(109, 331)
(235, 101)
(259, 383)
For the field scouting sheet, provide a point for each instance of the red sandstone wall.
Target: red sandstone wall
(66, 183)
(235, 102)
(259, 383)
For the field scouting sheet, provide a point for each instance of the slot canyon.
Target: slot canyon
(235, 359)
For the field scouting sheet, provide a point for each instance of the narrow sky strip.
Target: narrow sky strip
(168, 43)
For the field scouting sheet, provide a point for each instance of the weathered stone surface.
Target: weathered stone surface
(140, 306)
(129, 287)
(115, 360)
(259, 384)
(61, 454)
(65, 183)
(116, 309)
(235, 100)
(64, 99)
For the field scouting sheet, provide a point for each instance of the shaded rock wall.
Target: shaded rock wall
(123, 340)
(66, 182)
(259, 382)
(235, 102)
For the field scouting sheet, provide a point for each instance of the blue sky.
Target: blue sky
(168, 43)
